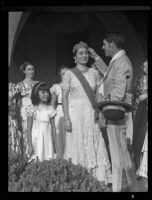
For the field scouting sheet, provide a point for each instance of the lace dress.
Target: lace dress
(41, 130)
(59, 119)
(85, 144)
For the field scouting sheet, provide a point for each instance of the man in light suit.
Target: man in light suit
(117, 87)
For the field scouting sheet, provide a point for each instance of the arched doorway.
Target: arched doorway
(47, 39)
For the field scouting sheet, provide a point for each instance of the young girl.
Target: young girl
(40, 124)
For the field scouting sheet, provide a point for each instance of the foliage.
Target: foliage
(16, 166)
(56, 175)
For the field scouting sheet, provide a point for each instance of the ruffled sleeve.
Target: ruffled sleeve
(97, 75)
(52, 111)
(53, 89)
(66, 80)
(30, 111)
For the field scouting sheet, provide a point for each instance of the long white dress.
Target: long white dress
(59, 119)
(85, 144)
(41, 130)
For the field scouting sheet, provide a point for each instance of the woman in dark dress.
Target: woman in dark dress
(141, 118)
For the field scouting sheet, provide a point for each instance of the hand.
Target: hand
(138, 100)
(102, 121)
(68, 125)
(129, 146)
(128, 141)
(92, 53)
(55, 147)
(30, 150)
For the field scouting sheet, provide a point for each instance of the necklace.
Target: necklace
(83, 69)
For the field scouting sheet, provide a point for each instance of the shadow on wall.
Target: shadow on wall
(48, 38)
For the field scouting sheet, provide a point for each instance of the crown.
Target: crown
(79, 45)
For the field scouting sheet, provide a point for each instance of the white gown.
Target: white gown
(41, 130)
(59, 119)
(85, 144)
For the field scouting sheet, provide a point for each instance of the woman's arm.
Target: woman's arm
(65, 103)
(53, 100)
(53, 134)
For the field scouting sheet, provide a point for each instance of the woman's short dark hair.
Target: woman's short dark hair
(25, 64)
(35, 96)
(117, 38)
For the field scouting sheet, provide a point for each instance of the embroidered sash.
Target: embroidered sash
(86, 86)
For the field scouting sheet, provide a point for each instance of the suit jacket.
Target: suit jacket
(118, 79)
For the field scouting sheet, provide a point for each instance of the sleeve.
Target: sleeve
(53, 89)
(52, 112)
(101, 87)
(98, 77)
(29, 110)
(119, 80)
(66, 80)
(100, 64)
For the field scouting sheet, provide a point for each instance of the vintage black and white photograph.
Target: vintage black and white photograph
(78, 99)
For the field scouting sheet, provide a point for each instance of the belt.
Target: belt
(59, 103)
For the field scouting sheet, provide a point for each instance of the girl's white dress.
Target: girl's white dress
(85, 144)
(59, 119)
(143, 168)
(41, 130)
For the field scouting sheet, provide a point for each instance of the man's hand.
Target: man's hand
(92, 53)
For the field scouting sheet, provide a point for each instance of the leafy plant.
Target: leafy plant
(57, 175)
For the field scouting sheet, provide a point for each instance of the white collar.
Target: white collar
(117, 55)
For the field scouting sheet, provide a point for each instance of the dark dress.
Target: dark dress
(139, 129)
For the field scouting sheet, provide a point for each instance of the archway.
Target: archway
(47, 39)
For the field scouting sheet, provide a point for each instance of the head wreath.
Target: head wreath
(79, 45)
